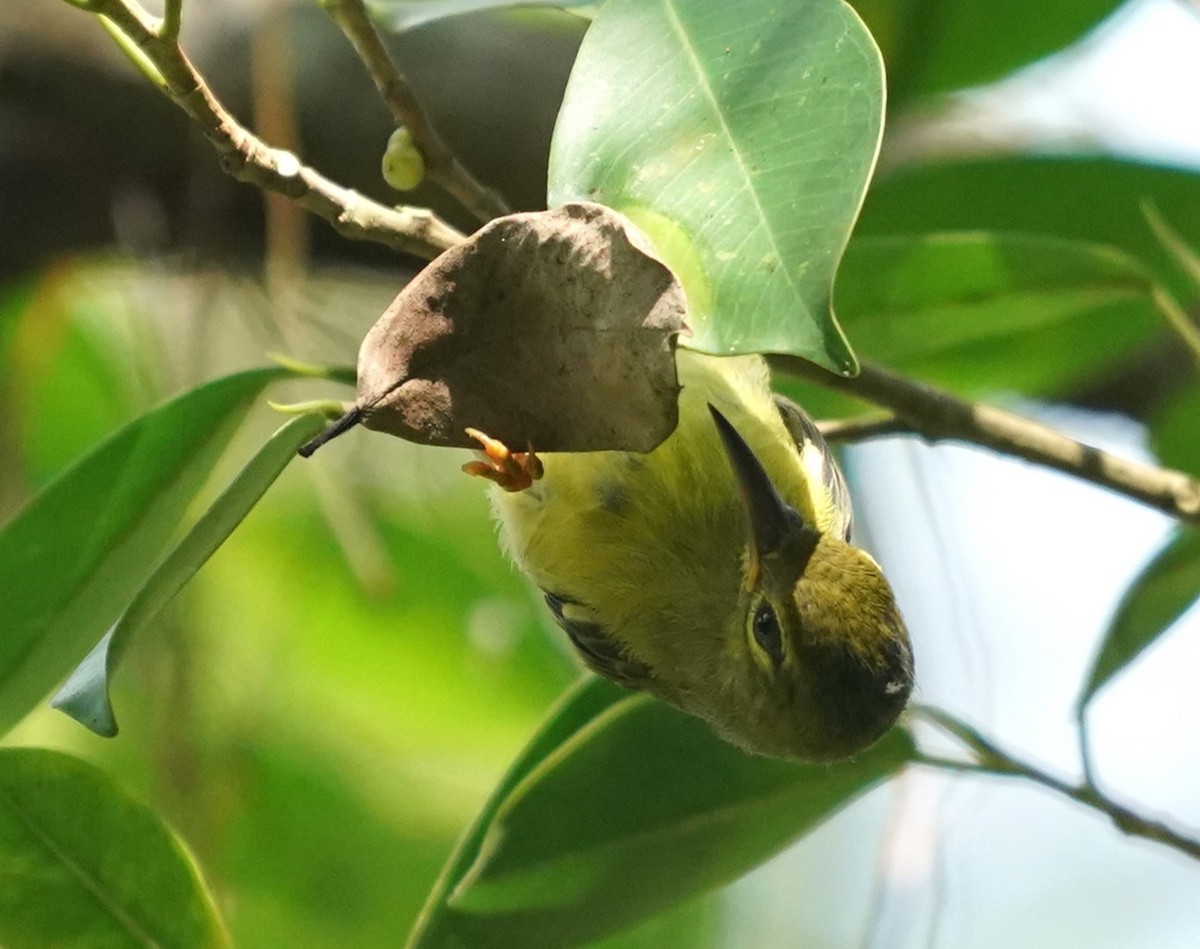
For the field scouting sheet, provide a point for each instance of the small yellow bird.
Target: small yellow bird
(716, 571)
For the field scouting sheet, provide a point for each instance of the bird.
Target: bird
(716, 572)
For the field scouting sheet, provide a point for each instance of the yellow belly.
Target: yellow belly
(652, 546)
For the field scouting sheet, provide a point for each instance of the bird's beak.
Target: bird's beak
(774, 524)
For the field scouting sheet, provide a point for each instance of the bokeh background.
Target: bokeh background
(323, 709)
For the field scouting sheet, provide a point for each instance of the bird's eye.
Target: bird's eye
(767, 633)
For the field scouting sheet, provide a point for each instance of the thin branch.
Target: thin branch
(441, 166)
(862, 428)
(246, 157)
(168, 30)
(992, 761)
(924, 410)
(936, 416)
(134, 54)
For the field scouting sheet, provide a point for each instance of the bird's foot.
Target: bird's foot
(512, 470)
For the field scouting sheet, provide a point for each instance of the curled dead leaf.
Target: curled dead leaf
(554, 329)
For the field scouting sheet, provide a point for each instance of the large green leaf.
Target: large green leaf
(933, 46)
(85, 696)
(986, 312)
(740, 136)
(75, 556)
(639, 810)
(81, 864)
(1091, 199)
(590, 697)
(1162, 592)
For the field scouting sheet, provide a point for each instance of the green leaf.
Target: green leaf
(982, 312)
(1173, 431)
(1160, 594)
(73, 396)
(402, 15)
(740, 137)
(1180, 251)
(701, 923)
(931, 46)
(73, 374)
(446, 662)
(85, 696)
(1091, 199)
(588, 698)
(82, 864)
(15, 297)
(76, 555)
(641, 809)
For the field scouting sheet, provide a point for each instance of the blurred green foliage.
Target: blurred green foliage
(347, 683)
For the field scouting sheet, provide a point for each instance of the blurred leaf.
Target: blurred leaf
(455, 655)
(586, 700)
(1091, 199)
(15, 297)
(14, 301)
(367, 729)
(401, 15)
(1159, 595)
(70, 375)
(642, 808)
(1188, 263)
(755, 129)
(85, 696)
(75, 398)
(931, 46)
(377, 858)
(81, 864)
(982, 312)
(1180, 251)
(76, 555)
(498, 334)
(698, 924)
(1175, 433)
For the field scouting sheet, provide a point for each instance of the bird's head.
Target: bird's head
(829, 665)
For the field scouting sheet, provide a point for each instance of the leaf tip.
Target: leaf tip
(93, 711)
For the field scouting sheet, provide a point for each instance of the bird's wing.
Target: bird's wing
(595, 647)
(815, 452)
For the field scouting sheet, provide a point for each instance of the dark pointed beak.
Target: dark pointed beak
(773, 522)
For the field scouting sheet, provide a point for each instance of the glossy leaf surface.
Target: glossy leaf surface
(82, 864)
(740, 138)
(579, 848)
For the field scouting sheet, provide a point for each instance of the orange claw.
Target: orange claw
(512, 470)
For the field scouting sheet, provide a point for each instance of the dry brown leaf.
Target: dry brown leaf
(554, 329)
